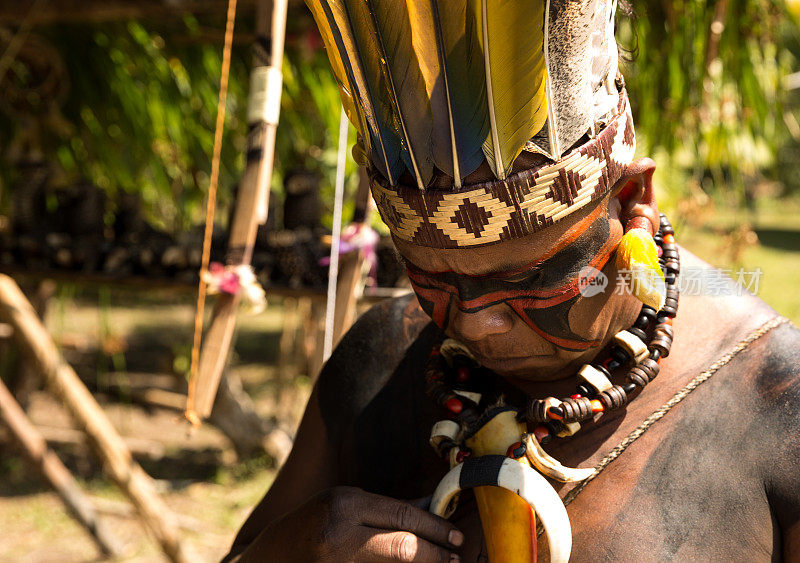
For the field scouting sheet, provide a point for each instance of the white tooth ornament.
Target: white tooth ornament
(508, 491)
(551, 467)
(499, 472)
(451, 348)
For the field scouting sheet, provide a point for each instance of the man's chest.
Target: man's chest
(662, 499)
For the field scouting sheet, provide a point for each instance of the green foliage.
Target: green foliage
(308, 132)
(141, 111)
(140, 116)
(706, 84)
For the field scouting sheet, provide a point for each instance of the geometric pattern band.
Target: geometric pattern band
(523, 203)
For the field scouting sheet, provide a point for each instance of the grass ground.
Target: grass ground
(712, 234)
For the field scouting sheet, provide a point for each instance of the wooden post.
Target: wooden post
(251, 202)
(46, 461)
(351, 267)
(61, 379)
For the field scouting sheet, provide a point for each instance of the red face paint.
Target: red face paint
(541, 293)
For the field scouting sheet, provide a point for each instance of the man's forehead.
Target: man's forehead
(504, 256)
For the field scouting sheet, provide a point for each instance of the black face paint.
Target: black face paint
(542, 294)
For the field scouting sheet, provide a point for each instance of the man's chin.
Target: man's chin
(529, 367)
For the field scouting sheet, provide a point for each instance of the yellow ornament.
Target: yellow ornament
(637, 260)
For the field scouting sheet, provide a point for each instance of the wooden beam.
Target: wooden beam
(59, 477)
(61, 379)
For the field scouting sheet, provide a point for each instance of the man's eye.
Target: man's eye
(525, 277)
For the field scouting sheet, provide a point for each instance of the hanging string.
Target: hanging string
(211, 208)
(333, 269)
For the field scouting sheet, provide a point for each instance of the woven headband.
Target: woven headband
(521, 204)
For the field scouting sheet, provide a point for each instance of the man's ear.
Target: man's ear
(636, 196)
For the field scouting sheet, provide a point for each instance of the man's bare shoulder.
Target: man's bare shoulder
(371, 352)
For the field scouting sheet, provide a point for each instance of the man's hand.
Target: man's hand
(348, 524)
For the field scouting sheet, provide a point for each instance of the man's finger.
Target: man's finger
(391, 514)
(386, 545)
(423, 503)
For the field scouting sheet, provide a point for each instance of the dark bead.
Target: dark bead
(601, 368)
(553, 427)
(648, 312)
(584, 390)
(463, 374)
(516, 450)
(669, 311)
(613, 398)
(670, 278)
(655, 354)
(619, 354)
(629, 388)
(650, 367)
(556, 412)
(638, 377)
(612, 365)
(638, 332)
(576, 409)
(641, 322)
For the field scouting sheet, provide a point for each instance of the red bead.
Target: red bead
(453, 405)
(597, 406)
(553, 415)
(463, 374)
(541, 432)
(462, 455)
(516, 450)
(576, 396)
(669, 239)
(660, 251)
(435, 352)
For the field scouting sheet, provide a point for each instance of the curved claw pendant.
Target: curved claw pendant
(551, 467)
(501, 471)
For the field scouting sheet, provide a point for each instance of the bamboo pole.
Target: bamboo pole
(251, 203)
(59, 477)
(32, 336)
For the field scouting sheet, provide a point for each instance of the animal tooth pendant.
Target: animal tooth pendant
(551, 467)
(637, 260)
(509, 523)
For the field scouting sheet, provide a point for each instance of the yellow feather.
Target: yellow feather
(345, 88)
(512, 41)
(637, 260)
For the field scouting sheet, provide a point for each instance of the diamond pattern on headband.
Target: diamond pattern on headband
(517, 206)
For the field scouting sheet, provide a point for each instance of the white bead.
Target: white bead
(570, 428)
(595, 378)
(632, 344)
(444, 429)
(474, 397)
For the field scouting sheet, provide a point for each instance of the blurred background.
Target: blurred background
(107, 113)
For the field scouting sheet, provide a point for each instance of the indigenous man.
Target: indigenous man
(500, 146)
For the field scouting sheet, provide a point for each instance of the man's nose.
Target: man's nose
(495, 320)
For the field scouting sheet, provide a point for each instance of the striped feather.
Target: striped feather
(462, 75)
(363, 72)
(390, 21)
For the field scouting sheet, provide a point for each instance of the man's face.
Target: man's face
(519, 305)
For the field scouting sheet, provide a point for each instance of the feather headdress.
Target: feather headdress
(438, 87)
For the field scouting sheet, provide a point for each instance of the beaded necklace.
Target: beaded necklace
(639, 349)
